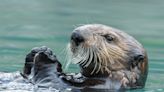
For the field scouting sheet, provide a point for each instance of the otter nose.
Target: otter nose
(77, 38)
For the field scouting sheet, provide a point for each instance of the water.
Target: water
(28, 23)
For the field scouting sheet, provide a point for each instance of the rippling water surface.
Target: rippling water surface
(28, 23)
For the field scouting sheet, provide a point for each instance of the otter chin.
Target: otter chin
(105, 52)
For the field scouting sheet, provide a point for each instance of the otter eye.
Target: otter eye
(109, 38)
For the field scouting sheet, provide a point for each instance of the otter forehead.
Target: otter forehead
(94, 29)
(99, 29)
(91, 34)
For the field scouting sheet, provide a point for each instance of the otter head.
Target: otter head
(99, 49)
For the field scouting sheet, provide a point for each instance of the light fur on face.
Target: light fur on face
(95, 49)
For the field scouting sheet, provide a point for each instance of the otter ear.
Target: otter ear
(139, 58)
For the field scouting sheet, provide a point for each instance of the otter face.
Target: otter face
(102, 49)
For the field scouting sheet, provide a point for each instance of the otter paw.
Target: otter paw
(134, 77)
(124, 82)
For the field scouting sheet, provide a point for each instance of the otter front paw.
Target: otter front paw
(130, 79)
(124, 82)
(73, 78)
(122, 77)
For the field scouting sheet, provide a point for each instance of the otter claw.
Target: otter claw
(43, 48)
(49, 51)
(124, 82)
(35, 49)
(134, 77)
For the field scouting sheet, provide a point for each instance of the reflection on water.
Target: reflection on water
(13, 82)
(28, 23)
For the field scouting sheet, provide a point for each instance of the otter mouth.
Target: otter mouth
(85, 57)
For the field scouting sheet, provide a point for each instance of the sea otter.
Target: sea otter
(107, 53)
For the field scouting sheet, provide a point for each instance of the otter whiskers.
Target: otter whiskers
(101, 55)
